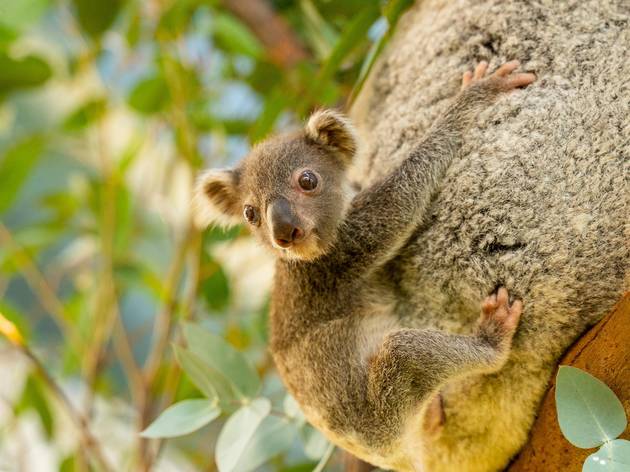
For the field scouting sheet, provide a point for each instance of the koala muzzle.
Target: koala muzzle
(284, 224)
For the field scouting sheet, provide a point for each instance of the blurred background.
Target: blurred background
(108, 109)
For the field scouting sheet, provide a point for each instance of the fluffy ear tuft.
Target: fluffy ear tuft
(216, 199)
(333, 129)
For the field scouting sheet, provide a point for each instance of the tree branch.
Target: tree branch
(604, 352)
(283, 47)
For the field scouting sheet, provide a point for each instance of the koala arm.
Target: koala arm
(383, 216)
(412, 364)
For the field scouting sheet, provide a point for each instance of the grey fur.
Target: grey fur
(539, 201)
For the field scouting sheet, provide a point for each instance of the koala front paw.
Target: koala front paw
(502, 80)
(499, 319)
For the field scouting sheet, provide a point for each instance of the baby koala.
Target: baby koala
(367, 381)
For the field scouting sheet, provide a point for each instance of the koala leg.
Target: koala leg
(412, 364)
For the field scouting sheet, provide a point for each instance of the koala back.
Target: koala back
(538, 201)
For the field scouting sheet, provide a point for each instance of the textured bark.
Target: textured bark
(604, 352)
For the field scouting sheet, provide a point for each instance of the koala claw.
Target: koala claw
(502, 77)
(499, 318)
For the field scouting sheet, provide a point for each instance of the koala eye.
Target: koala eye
(251, 215)
(307, 181)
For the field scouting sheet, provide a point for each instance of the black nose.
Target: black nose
(284, 224)
(287, 236)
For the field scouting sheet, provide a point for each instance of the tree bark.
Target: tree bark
(604, 352)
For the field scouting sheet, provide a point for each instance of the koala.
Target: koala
(370, 382)
(538, 200)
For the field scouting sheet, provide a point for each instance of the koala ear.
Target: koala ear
(333, 129)
(216, 199)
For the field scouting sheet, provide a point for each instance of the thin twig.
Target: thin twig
(88, 441)
(40, 287)
(104, 314)
(173, 375)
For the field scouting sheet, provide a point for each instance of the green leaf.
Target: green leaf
(589, 412)
(614, 456)
(176, 19)
(96, 16)
(150, 95)
(222, 357)
(233, 36)
(237, 433)
(183, 418)
(15, 167)
(352, 36)
(69, 464)
(320, 34)
(292, 409)
(216, 288)
(17, 14)
(315, 444)
(209, 381)
(85, 115)
(274, 436)
(33, 397)
(26, 72)
(393, 9)
(354, 32)
(275, 103)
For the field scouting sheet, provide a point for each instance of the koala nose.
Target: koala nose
(287, 235)
(284, 226)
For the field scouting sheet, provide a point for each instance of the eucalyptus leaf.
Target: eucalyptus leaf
(216, 288)
(315, 444)
(96, 16)
(274, 436)
(25, 72)
(589, 412)
(321, 35)
(235, 37)
(393, 9)
(183, 418)
(15, 167)
(293, 410)
(351, 37)
(614, 456)
(211, 382)
(237, 433)
(34, 397)
(392, 12)
(18, 14)
(222, 357)
(85, 115)
(150, 95)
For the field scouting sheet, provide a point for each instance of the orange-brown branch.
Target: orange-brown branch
(604, 352)
(283, 47)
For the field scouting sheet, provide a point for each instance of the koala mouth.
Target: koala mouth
(305, 248)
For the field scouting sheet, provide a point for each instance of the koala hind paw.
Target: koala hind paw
(499, 318)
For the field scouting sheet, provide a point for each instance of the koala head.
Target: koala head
(291, 190)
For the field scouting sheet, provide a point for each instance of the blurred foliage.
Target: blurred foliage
(108, 108)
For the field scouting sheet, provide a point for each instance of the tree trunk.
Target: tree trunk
(604, 352)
